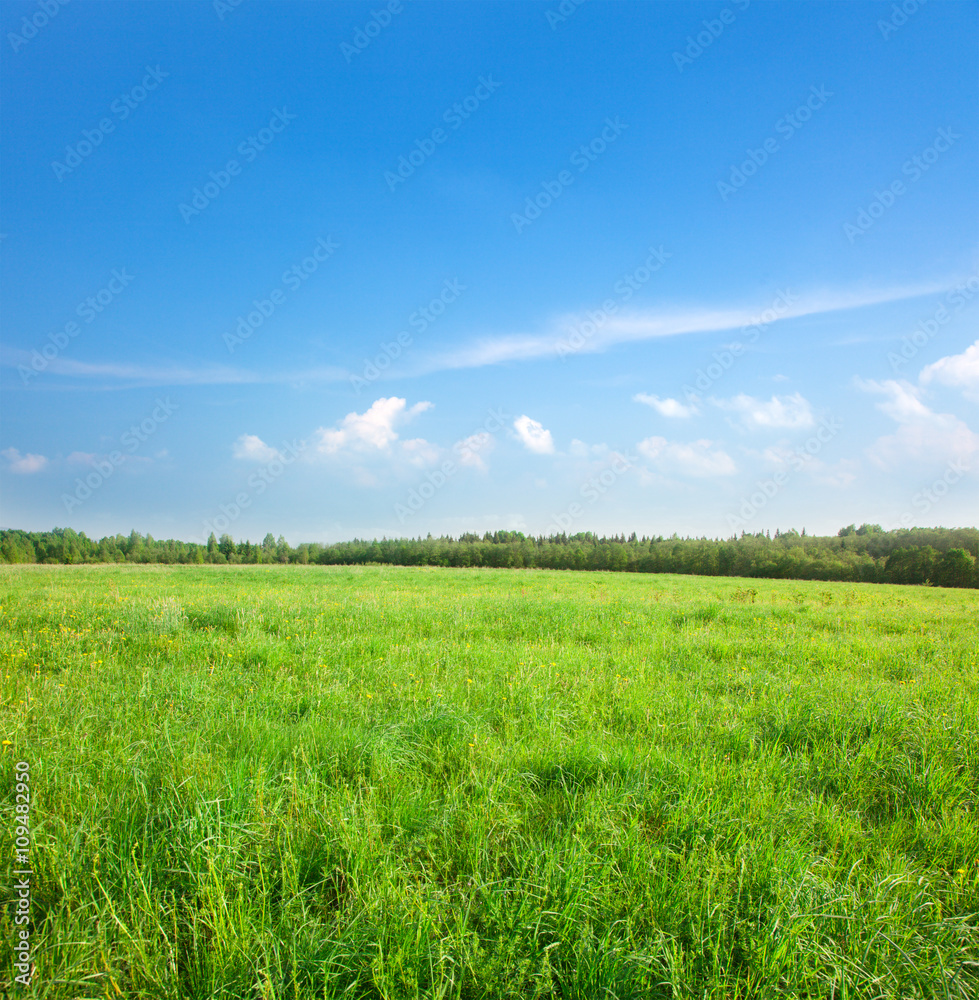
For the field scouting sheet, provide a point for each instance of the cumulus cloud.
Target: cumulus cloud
(252, 448)
(375, 430)
(533, 435)
(698, 458)
(960, 370)
(666, 407)
(368, 447)
(779, 411)
(922, 434)
(23, 464)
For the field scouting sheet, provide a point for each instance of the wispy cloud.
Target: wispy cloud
(472, 450)
(169, 374)
(697, 458)
(651, 324)
(617, 329)
(549, 342)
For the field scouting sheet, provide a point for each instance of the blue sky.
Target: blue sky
(338, 270)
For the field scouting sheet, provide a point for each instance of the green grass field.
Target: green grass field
(284, 782)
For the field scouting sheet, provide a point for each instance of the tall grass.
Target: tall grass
(278, 783)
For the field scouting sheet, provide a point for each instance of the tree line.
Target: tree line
(946, 557)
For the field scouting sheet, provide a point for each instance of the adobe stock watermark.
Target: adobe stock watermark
(713, 29)
(292, 278)
(900, 13)
(379, 20)
(248, 149)
(582, 158)
(559, 15)
(913, 168)
(38, 21)
(257, 483)
(88, 309)
(786, 126)
(624, 288)
(420, 320)
(725, 359)
(595, 487)
(225, 7)
(468, 452)
(21, 892)
(798, 458)
(121, 108)
(104, 467)
(924, 500)
(424, 148)
(951, 305)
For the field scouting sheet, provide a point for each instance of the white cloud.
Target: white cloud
(698, 458)
(548, 341)
(533, 435)
(780, 411)
(368, 449)
(839, 474)
(666, 407)
(472, 449)
(420, 452)
(96, 459)
(630, 327)
(375, 430)
(922, 435)
(23, 464)
(957, 370)
(943, 437)
(904, 404)
(252, 448)
(794, 460)
(169, 374)
(579, 449)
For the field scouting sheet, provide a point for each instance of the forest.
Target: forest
(945, 557)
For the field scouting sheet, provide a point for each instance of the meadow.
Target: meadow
(285, 782)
